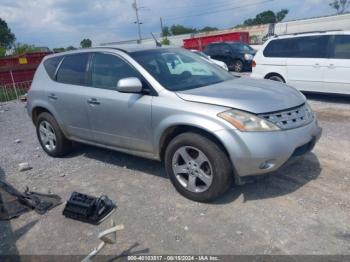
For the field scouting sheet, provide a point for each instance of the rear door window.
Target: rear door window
(73, 69)
(310, 47)
(51, 65)
(341, 47)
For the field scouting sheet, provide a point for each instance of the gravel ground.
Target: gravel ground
(304, 208)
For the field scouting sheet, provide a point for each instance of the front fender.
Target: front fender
(204, 123)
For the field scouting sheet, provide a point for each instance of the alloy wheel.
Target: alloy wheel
(47, 135)
(238, 66)
(192, 169)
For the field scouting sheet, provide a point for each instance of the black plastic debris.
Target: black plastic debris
(88, 209)
(13, 203)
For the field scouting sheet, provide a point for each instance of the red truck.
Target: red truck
(200, 42)
(20, 68)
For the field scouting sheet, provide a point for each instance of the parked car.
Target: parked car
(219, 63)
(237, 56)
(207, 126)
(316, 62)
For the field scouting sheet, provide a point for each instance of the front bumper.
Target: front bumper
(247, 65)
(255, 153)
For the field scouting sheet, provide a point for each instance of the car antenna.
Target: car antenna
(158, 44)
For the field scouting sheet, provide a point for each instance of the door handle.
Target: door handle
(93, 101)
(331, 66)
(317, 65)
(52, 96)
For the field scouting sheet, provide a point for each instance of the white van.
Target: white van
(316, 62)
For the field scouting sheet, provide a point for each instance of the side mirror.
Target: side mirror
(129, 85)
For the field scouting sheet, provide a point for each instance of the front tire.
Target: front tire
(50, 136)
(198, 167)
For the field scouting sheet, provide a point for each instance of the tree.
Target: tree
(281, 15)
(7, 38)
(85, 43)
(340, 6)
(70, 48)
(180, 30)
(266, 17)
(20, 49)
(208, 29)
(165, 41)
(2, 51)
(58, 49)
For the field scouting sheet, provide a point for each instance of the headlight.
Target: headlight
(308, 110)
(247, 122)
(248, 57)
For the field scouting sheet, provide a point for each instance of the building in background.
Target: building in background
(258, 33)
(335, 22)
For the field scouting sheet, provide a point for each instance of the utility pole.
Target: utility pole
(161, 27)
(134, 5)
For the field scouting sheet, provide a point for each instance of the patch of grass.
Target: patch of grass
(8, 94)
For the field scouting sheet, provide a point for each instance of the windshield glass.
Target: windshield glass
(200, 54)
(179, 69)
(242, 47)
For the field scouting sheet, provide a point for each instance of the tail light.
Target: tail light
(253, 63)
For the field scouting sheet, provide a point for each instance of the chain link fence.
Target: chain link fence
(13, 91)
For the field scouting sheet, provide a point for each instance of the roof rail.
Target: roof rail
(311, 32)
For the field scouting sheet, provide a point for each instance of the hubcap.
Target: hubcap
(192, 169)
(238, 67)
(47, 135)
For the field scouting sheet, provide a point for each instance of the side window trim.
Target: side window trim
(330, 46)
(151, 91)
(332, 49)
(89, 70)
(57, 68)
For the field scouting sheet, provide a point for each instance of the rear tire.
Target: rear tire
(50, 136)
(207, 166)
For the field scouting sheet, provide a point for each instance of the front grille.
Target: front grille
(290, 118)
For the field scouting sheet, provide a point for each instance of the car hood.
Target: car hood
(252, 52)
(252, 95)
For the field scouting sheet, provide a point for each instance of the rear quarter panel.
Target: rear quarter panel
(38, 93)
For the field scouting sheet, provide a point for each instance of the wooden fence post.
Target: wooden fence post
(14, 84)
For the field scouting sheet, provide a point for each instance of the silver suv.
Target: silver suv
(208, 126)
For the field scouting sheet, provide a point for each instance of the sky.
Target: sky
(61, 23)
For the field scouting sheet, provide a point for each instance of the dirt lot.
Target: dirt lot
(304, 208)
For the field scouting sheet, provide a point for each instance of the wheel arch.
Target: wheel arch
(36, 111)
(171, 132)
(275, 74)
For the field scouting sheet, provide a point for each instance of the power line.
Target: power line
(216, 11)
(213, 4)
